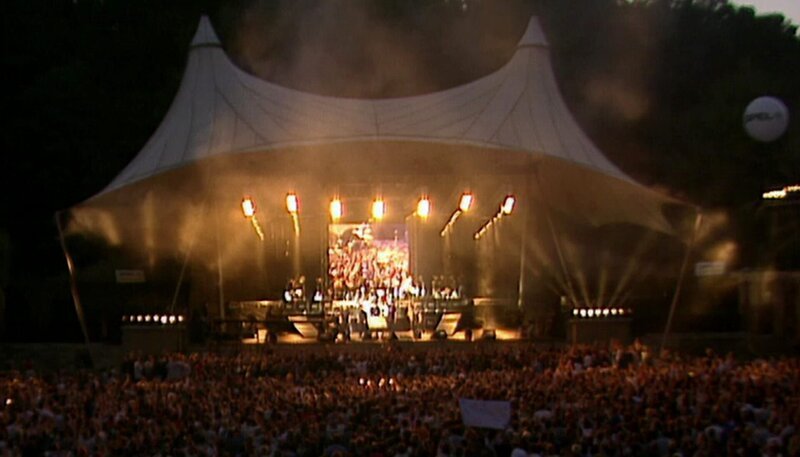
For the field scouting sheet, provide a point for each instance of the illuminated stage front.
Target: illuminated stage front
(401, 203)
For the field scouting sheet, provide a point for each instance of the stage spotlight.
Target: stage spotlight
(424, 207)
(336, 209)
(613, 311)
(621, 311)
(508, 205)
(248, 207)
(172, 319)
(605, 312)
(164, 319)
(574, 312)
(583, 313)
(180, 318)
(590, 312)
(378, 209)
(292, 204)
(466, 202)
(147, 318)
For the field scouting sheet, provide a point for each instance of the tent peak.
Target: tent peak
(533, 36)
(205, 34)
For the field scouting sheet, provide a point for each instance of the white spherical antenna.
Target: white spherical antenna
(766, 119)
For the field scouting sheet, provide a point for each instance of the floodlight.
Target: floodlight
(378, 209)
(248, 207)
(336, 209)
(508, 205)
(292, 204)
(466, 202)
(424, 207)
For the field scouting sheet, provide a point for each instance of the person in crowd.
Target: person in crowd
(577, 401)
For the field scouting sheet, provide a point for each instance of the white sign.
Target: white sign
(485, 414)
(129, 276)
(709, 268)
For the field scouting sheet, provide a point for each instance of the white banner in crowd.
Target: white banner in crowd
(485, 414)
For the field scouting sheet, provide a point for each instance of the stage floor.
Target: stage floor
(427, 337)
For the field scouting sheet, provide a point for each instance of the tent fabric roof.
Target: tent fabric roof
(220, 109)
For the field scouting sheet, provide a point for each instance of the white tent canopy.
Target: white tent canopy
(221, 110)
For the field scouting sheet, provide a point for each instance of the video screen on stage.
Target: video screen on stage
(366, 257)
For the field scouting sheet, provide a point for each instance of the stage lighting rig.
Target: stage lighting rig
(506, 208)
(464, 205)
(249, 212)
(336, 209)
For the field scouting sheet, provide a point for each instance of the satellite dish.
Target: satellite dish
(766, 119)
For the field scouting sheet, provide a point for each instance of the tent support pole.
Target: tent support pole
(220, 277)
(73, 285)
(559, 252)
(689, 247)
(524, 245)
(183, 270)
(522, 260)
(180, 280)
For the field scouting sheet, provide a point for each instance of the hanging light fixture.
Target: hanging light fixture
(424, 207)
(292, 203)
(336, 209)
(378, 209)
(248, 207)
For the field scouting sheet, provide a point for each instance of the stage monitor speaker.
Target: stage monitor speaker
(377, 323)
(405, 335)
(401, 324)
(155, 339)
(306, 329)
(449, 323)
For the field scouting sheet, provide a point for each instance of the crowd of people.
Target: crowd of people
(395, 401)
